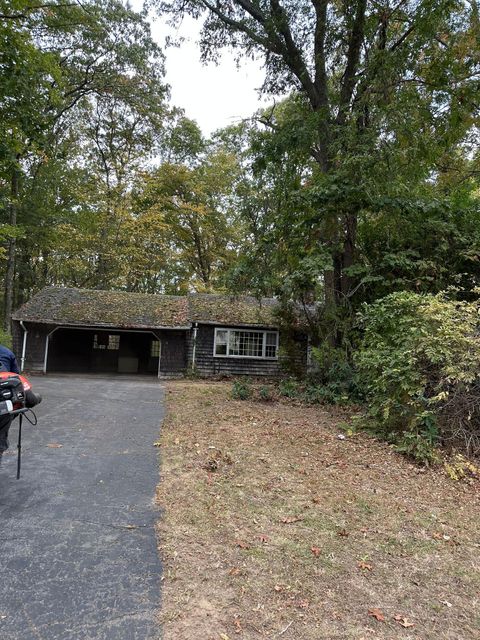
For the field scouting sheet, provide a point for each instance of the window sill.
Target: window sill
(246, 357)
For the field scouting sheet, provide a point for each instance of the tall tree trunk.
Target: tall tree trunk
(12, 249)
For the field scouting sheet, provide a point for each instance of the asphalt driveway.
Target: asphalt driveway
(78, 553)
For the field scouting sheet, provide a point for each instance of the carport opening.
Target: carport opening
(103, 351)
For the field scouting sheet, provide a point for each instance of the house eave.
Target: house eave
(237, 324)
(101, 325)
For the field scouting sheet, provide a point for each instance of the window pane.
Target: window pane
(246, 343)
(271, 345)
(113, 342)
(97, 344)
(234, 343)
(221, 342)
(155, 349)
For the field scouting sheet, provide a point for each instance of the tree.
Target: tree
(68, 62)
(196, 206)
(376, 79)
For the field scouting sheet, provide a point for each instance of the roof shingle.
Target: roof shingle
(93, 307)
(234, 310)
(57, 305)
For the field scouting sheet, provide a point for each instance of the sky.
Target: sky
(213, 95)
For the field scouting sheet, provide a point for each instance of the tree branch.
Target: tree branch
(353, 56)
(240, 26)
(292, 55)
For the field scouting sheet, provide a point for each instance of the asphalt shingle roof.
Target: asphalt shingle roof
(92, 307)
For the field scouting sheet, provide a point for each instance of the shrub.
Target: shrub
(288, 388)
(419, 366)
(241, 390)
(265, 393)
(333, 380)
(330, 393)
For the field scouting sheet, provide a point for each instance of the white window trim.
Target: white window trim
(264, 343)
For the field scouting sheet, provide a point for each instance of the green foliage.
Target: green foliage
(329, 393)
(418, 363)
(289, 388)
(265, 393)
(420, 445)
(242, 390)
(6, 338)
(332, 379)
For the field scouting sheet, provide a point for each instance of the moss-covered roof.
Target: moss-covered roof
(232, 310)
(57, 305)
(92, 307)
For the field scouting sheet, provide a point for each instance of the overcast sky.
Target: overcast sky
(213, 95)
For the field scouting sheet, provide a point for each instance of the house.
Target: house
(81, 330)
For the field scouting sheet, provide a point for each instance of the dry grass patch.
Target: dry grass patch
(273, 527)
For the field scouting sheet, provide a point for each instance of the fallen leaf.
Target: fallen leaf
(242, 545)
(403, 621)
(316, 551)
(291, 519)
(54, 445)
(365, 566)
(234, 571)
(377, 614)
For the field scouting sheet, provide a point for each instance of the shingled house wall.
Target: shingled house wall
(173, 360)
(207, 365)
(36, 340)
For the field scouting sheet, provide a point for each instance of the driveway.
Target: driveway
(78, 552)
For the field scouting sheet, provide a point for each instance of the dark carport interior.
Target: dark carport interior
(97, 351)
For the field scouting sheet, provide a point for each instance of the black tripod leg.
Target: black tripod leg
(19, 445)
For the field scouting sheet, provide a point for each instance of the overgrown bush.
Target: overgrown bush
(419, 366)
(333, 379)
(242, 390)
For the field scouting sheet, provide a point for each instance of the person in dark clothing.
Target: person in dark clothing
(8, 362)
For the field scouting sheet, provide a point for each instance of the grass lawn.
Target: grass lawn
(274, 527)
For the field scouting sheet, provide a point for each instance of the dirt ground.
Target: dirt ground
(273, 526)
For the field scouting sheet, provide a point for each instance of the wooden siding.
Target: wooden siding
(207, 364)
(173, 357)
(36, 340)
